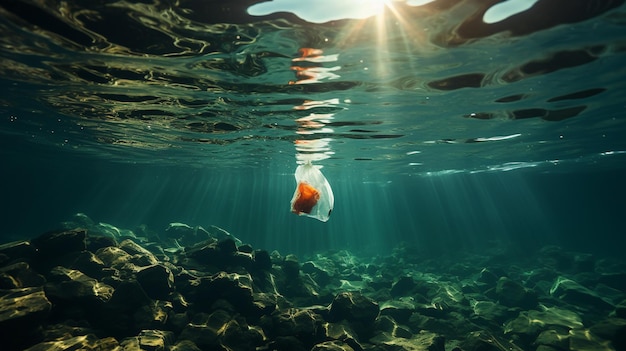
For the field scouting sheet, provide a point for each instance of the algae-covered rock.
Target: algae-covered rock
(613, 329)
(423, 341)
(486, 341)
(333, 345)
(583, 340)
(513, 294)
(576, 294)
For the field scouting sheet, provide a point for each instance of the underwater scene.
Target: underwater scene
(313, 175)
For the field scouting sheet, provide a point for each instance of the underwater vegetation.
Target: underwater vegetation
(92, 286)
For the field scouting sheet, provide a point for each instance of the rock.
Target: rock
(487, 277)
(113, 256)
(16, 250)
(221, 234)
(185, 235)
(156, 340)
(97, 242)
(83, 342)
(53, 244)
(576, 294)
(319, 274)
(485, 341)
(356, 308)
(90, 264)
(57, 248)
(344, 333)
(19, 275)
(620, 309)
(613, 329)
(291, 267)
(305, 325)
(399, 310)
(490, 312)
(529, 324)
(554, 339)
(403, 287)
(353, 306)
(232, 287)
(203, 329)
(237, 335)
(126, 313)
(139, 256)
(388, 325)
(21, 312)
(332, 346)
(73, 285)
(152, 316)
(156, 280)
(423, 341)
(513, 294)
(614, 280)
(262, 260)
(287, 343)
(185, 345)
(583, 340)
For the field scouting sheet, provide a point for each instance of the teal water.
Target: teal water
(435, 129)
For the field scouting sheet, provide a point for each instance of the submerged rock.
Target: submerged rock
(513, 294)
(82, 342)
(576, 294)
(156, 280)
(21, 312)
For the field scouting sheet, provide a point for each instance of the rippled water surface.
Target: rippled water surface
(421, 89)
(417, 89)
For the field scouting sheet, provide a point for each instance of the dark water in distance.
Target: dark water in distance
(434, 128)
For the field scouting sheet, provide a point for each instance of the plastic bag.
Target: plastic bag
(313, 196)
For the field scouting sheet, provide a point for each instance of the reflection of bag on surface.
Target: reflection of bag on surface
(313, 196)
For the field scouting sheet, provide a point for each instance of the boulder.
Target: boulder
(403, 287)
(204, 328)
(139, 255)
(613, 329)
(358, 309)
(57, 249)
(485, 341)
(156, 280)
(16, 250)
(90, 264)
(582, 340)
(423, 341)
(113, 256)
(54, 244)
(82, 342)
(157, 340)
(305, 325)
(400, 310)
(574, 293)
(333, 345)
(19, 275)
(21, 312)
(513, 294)
(74, 286)
(233, 287)
(237, 335)
(554, 339)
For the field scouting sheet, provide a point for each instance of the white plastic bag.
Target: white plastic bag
(313, 196)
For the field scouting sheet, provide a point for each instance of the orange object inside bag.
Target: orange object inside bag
(306, 198)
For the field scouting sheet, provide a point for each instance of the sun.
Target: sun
(376, 7)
